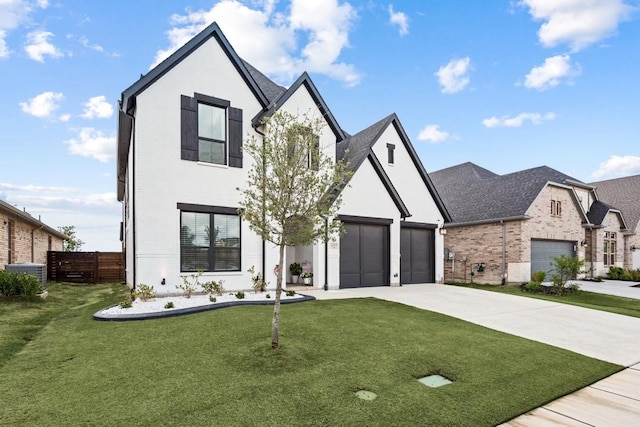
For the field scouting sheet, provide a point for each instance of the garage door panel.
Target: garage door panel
(364, 250)
(543, 252)
(417, 255)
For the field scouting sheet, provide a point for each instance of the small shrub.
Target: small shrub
(615, 273)
(290, 293)
(635, 275)
(213, 287)
(19, 284)
(127, 301)
(533, 287)
(144, 292)
(572, 288)
(259, 285)
(538, 276)
(169, 305)
(190, 283)
(240, 295)
(213, 299)
(599, 278)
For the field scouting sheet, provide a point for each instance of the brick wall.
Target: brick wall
(483, 243)
(25, 237)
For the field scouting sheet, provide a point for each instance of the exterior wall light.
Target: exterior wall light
(163, 282)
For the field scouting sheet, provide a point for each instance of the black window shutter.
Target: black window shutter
(188, 128)
(235, 137)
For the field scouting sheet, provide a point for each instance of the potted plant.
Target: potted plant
(306, 277)
(295, 269)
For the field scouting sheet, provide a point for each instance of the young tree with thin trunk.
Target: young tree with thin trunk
(292, 192)
(73, 244)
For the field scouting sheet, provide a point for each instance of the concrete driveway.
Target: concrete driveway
(611, 287)
(598, 334)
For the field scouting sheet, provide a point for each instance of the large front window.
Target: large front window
(212, 134)
(209, 242)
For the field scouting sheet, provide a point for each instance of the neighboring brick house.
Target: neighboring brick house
(504, 227)
(624, 194)
(24, 238)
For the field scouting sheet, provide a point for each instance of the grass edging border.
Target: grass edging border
(190, 310)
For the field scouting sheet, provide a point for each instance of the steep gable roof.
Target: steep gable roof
(303, 80)
(599, 210)
(474, 194)
(263, 89)
(356, 148)
(624, 194)
(212, 31)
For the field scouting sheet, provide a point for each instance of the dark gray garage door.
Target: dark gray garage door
(543, 251)
(417, 255)
(364, 255)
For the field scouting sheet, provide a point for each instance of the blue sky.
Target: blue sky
(508, 85)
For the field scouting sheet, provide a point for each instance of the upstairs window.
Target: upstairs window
(211, 131)
(556, 208)
(212, 134)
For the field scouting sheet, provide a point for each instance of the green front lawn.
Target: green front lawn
(216, 367)
(610, 303)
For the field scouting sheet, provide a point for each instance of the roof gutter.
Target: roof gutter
(486, 221)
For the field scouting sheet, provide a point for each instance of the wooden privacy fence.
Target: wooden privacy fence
(85, 267)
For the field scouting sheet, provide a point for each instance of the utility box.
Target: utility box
(38, 270)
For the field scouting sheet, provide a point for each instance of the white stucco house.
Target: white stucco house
(181, 129)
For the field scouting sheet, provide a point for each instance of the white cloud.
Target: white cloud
(618, 166)
(400, 19)
(65, 117)
(551, 73)
(42, 105)
(97, 107)
(517, 121)
(35, 188)
(38, 46)
(577, 23)
(268, 39)
(454, 77)
(4, 50)
(93, 143)
(94, 46)
(96, 216)
(432, 133)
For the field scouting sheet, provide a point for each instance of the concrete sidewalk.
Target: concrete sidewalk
(613, 401)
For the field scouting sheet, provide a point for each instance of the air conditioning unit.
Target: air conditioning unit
(38, 270)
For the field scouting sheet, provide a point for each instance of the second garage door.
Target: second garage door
(364, 255)
(417, 255)
(543, 252)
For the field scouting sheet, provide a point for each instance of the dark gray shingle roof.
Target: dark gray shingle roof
(472, 193)
(269, 88)
(624, 194)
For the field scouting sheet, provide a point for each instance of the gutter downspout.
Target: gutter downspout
(326, 254)
(264, 244)
(504, 252)
(132, 196)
